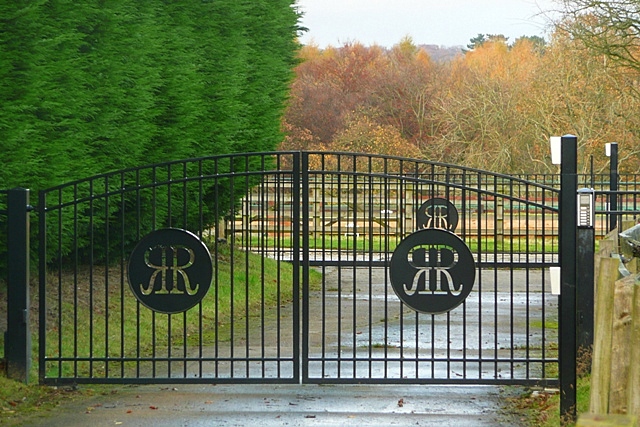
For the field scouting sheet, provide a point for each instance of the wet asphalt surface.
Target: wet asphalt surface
(299, 405)
(290, 405)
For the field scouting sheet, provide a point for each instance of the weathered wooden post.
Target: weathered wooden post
(601, 366)
(633, 405)
(620, 345)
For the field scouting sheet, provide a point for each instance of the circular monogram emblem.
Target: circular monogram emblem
(432, 271)
(437, 213)
(170, 270)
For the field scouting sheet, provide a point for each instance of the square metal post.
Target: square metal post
(613, 185)
(567, 254)
(17, 339)
(585, 291)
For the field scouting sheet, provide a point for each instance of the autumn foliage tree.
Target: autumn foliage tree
(494, 107)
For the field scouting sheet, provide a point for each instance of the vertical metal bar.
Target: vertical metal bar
(154, 224)
(512, 238)
(613, 186)
(232, 314)
(496, 286)
(107, 193)
(169, 220)
(91, 277)
(263, 198)
(137, 236)
(186, 226)
(479, 231)
(401, 194)
(123, 207)
(300, 181)
(17, 340)
(249, 201)
(585, 291)
(543, 302)
(201, 222)
(387, 208)
(568, 219)
(216, 280)
(339, 238)
(463, 233)
(527, 222)
(354, 270)
(42, 272)
(75, 280)
(447, 190)
(370, 234)
(279, 246)
(323, 181)
(417, 201)
(59, 284)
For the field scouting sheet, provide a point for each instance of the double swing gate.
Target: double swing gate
(298, 267)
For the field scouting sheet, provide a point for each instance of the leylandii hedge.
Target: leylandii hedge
(88, 86)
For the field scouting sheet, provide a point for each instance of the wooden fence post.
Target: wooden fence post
(633, 405)
(600, 369)
(620, 345)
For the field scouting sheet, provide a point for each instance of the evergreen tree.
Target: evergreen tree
(88, 86)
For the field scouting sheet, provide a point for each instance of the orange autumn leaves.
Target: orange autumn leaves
(493, 107)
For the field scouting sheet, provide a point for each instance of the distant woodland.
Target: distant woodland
(492, 105)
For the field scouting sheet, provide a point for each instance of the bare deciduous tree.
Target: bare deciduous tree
(610, 28)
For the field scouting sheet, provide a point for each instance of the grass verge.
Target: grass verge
(541, 408)
(261, 282)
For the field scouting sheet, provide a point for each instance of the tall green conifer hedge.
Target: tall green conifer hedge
(91, 86)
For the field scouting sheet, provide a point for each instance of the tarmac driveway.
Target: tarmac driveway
(290, 405)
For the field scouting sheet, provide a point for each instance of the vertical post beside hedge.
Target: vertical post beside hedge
(17, 340)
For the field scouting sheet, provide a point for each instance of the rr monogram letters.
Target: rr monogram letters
(434, 272)
(176, 271)
(437, 217)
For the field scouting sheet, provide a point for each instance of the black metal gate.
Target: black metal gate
(301, 247)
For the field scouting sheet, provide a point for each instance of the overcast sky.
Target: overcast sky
(439, 22)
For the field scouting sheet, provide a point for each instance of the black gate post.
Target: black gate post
(567, 255)
(613, 185)
(17, 339)
(585, 291)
